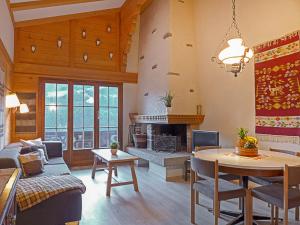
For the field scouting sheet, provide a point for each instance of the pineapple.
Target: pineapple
(242, 132)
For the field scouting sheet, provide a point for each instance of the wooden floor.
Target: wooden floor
(158, 203)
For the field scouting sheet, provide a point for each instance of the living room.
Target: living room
(106, 105)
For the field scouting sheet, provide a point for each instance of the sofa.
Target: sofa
(57, 210)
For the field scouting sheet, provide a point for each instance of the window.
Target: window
(56, 113)
(83, 117)
(109, 114)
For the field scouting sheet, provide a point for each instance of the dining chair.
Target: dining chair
(281, 195)
(277, 179)
(213, 187)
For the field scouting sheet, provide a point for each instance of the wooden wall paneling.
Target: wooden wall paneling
(44, 38)
(96, 28)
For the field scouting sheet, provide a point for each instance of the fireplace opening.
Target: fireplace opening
(167, 137)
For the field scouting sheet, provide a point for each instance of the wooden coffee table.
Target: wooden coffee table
(112, 162)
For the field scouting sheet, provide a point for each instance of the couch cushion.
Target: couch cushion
(56, 160)
(9, 157)
(55, 170)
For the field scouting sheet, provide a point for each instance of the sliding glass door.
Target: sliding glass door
(82, 115)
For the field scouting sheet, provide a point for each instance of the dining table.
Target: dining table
(265, 164)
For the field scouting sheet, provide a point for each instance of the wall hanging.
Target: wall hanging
(277, 85)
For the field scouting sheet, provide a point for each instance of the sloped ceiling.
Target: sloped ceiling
(60, 10)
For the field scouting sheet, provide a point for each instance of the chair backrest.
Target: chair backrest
(289, 152)
(204, 167)
(292, 175)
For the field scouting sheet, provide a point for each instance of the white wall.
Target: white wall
(130, 90)
(153, 83)
(229, 102)
(6, 29)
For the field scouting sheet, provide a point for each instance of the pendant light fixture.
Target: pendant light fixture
(234, 56)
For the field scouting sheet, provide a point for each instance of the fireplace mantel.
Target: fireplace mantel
(169, 119)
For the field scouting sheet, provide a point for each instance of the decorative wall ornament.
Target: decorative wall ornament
(33, 48)
(111, 55)
(98, 42)
(154, 66)
(189, 45)
(173, 74)
(142, 57)
(59, 42)
(85, 57)
(108, 28)
(236, 55)
(167, 35)
(154, 30)
(83, 34)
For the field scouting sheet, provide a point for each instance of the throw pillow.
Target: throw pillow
(31, 164)
(37, 143)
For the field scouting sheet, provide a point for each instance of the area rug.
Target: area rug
(277, 83)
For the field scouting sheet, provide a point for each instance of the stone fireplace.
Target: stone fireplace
(169, 142)
(171, 133)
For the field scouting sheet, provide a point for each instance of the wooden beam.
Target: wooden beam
(54, 19)
(10, 12)
(4, 57)
(45, 3)
(61, 72)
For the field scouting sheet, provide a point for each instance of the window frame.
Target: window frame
(71, 83)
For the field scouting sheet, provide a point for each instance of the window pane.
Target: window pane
(50, 116)
(50, 135)
(62, 94)
(89, 117)
(78, 95)
(62, 116)
(62, 135)
(78, 139)
(104, 137)
(103, 117)
(113, 117)
(78, 117)
(113, 135)
(50, 94)
(103, 92)
(113, 96)
(88, 138)
(89, 95)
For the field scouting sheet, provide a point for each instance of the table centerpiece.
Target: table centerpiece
(246, 145)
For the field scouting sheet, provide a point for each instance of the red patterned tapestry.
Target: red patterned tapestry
(277, 83)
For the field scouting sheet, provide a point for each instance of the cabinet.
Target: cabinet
(8, 206)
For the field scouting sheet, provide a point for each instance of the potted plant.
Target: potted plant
(246, 145)
(114, 148)
(167, 100)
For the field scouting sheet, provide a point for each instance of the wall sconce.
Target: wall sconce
(33, 48)
(85, 57)
(59, 42)
(24, 108)
(108, 28)
(83, 34)
(12, 101)
(98, 42)
(111, 55)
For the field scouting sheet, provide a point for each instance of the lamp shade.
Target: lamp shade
(24, 108)
(12, 101)
(236, 52)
